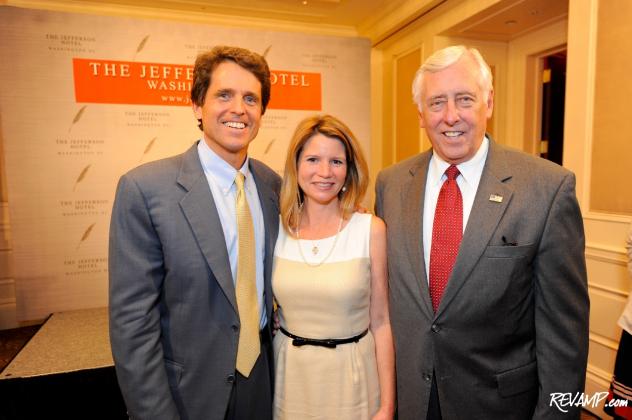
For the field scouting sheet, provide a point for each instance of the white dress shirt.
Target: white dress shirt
(221, 179)
(468, 180)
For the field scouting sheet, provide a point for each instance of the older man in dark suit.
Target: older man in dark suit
(191, 244)
(489, 302)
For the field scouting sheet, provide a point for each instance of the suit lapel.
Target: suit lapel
(269, 206)
(484, 218)
(413, 198)
(200, 211)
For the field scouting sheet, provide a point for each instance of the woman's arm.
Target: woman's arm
(380, 322)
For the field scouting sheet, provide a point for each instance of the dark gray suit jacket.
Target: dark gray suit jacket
(512, 326)
(174, 325)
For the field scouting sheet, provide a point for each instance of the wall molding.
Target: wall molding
(5, 244)
(597, 380)
(606, 253)
(601, 375)
(399, 54)
(7, 301)
(607, 217)
(8, 318)
(590, 101)
(604, 341)
(4, 213)
(616, 292)
(389, 23)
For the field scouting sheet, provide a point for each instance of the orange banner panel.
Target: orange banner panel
(295, 90)
(126, 82)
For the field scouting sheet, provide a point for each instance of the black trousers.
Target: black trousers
(434, 410)
(251, 397)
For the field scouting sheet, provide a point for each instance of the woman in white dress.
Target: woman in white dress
(334, 351)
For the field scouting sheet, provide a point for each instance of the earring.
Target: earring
(344, 188)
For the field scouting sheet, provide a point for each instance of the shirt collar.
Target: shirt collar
(469, 170)
(222, 173)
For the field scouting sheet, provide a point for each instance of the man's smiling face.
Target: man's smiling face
(231, 113)
(455, 110)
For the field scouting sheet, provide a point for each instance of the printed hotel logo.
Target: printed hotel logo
(127, 82)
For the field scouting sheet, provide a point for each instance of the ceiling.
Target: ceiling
(510, 19)
(351, 13)
(376, 19)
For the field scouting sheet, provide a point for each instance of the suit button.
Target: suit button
(427, 377)
(230, 378)
(235, 328)
(435, 328)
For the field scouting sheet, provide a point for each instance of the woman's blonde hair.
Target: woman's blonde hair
(356, 181)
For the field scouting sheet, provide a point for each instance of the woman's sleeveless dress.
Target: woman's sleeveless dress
(327, 301)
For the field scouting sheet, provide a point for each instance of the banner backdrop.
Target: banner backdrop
(84, 98)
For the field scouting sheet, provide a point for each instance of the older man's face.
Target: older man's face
(454, 110)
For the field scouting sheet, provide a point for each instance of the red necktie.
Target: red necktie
(447, 232)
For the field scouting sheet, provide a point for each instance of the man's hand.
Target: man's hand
(276, 324)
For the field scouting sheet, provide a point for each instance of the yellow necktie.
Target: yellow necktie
(246, 288)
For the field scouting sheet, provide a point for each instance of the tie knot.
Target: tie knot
(452, 172)
(239, 180)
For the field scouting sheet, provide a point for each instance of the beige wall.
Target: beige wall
(611, 191)
(523, 84)
(391, 101)
(3, 182)
(391, 95)
(7, 284)
(45, 281)
(406, 115)
(587, 81)
(597, 146)
(590, 136)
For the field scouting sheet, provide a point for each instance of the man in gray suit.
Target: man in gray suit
(506, 327)
(174, 243)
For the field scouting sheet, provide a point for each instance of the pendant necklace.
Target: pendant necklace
(315, 248)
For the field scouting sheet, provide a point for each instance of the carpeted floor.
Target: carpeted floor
(12, 341)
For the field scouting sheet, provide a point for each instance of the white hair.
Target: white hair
(445, 58)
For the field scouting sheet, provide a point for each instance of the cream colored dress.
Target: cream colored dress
(328, 301)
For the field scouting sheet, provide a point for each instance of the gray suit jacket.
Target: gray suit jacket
(174, 325)
(512, 326)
